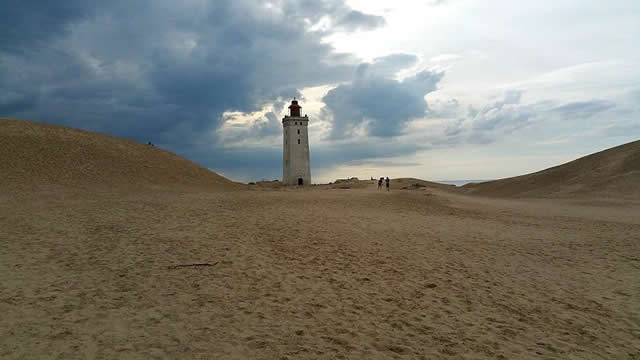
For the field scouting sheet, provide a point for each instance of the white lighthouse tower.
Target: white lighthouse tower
(296, 167)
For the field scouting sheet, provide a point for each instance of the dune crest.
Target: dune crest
(43, 154)
(613, 172)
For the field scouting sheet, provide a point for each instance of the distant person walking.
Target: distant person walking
(380, 183)
(387, 182)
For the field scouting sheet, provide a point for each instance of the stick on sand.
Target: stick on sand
(190, 265)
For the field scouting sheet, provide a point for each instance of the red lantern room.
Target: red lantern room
(294, 108)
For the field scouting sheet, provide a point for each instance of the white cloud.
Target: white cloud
(445, 58)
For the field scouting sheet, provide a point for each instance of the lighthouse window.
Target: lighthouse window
(298, 141)
(296, 123)
(298, 131)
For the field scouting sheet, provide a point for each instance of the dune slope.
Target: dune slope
(614, 172)
(42, 154)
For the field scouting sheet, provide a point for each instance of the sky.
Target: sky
(432, 89)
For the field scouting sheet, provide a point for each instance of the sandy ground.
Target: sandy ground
(316, 274)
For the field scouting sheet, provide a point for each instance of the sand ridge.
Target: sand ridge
(613, 172)
(37, 154)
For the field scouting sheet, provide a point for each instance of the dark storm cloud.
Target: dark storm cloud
(486, 124)
(271, 126)
(267, 126)
(341, 16)
(28, 23)
(12, 103)
(255, 163)
(356, 20)
(166, 71)
(493, 121)
(504, 117)
(624, 129)
(369, 150)
(582, 109)
(376, 101)
(386, 66)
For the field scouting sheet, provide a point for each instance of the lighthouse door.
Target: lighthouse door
(300, 182)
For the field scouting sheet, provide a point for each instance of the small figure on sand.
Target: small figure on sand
(380, 183)
(387, 182)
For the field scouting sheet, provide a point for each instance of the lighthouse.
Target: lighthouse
(296, 168)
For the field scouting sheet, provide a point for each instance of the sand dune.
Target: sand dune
(318, 272)
(414, 184)
(42, 154)
(613, 172)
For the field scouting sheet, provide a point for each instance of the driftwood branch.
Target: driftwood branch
(190, 265)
